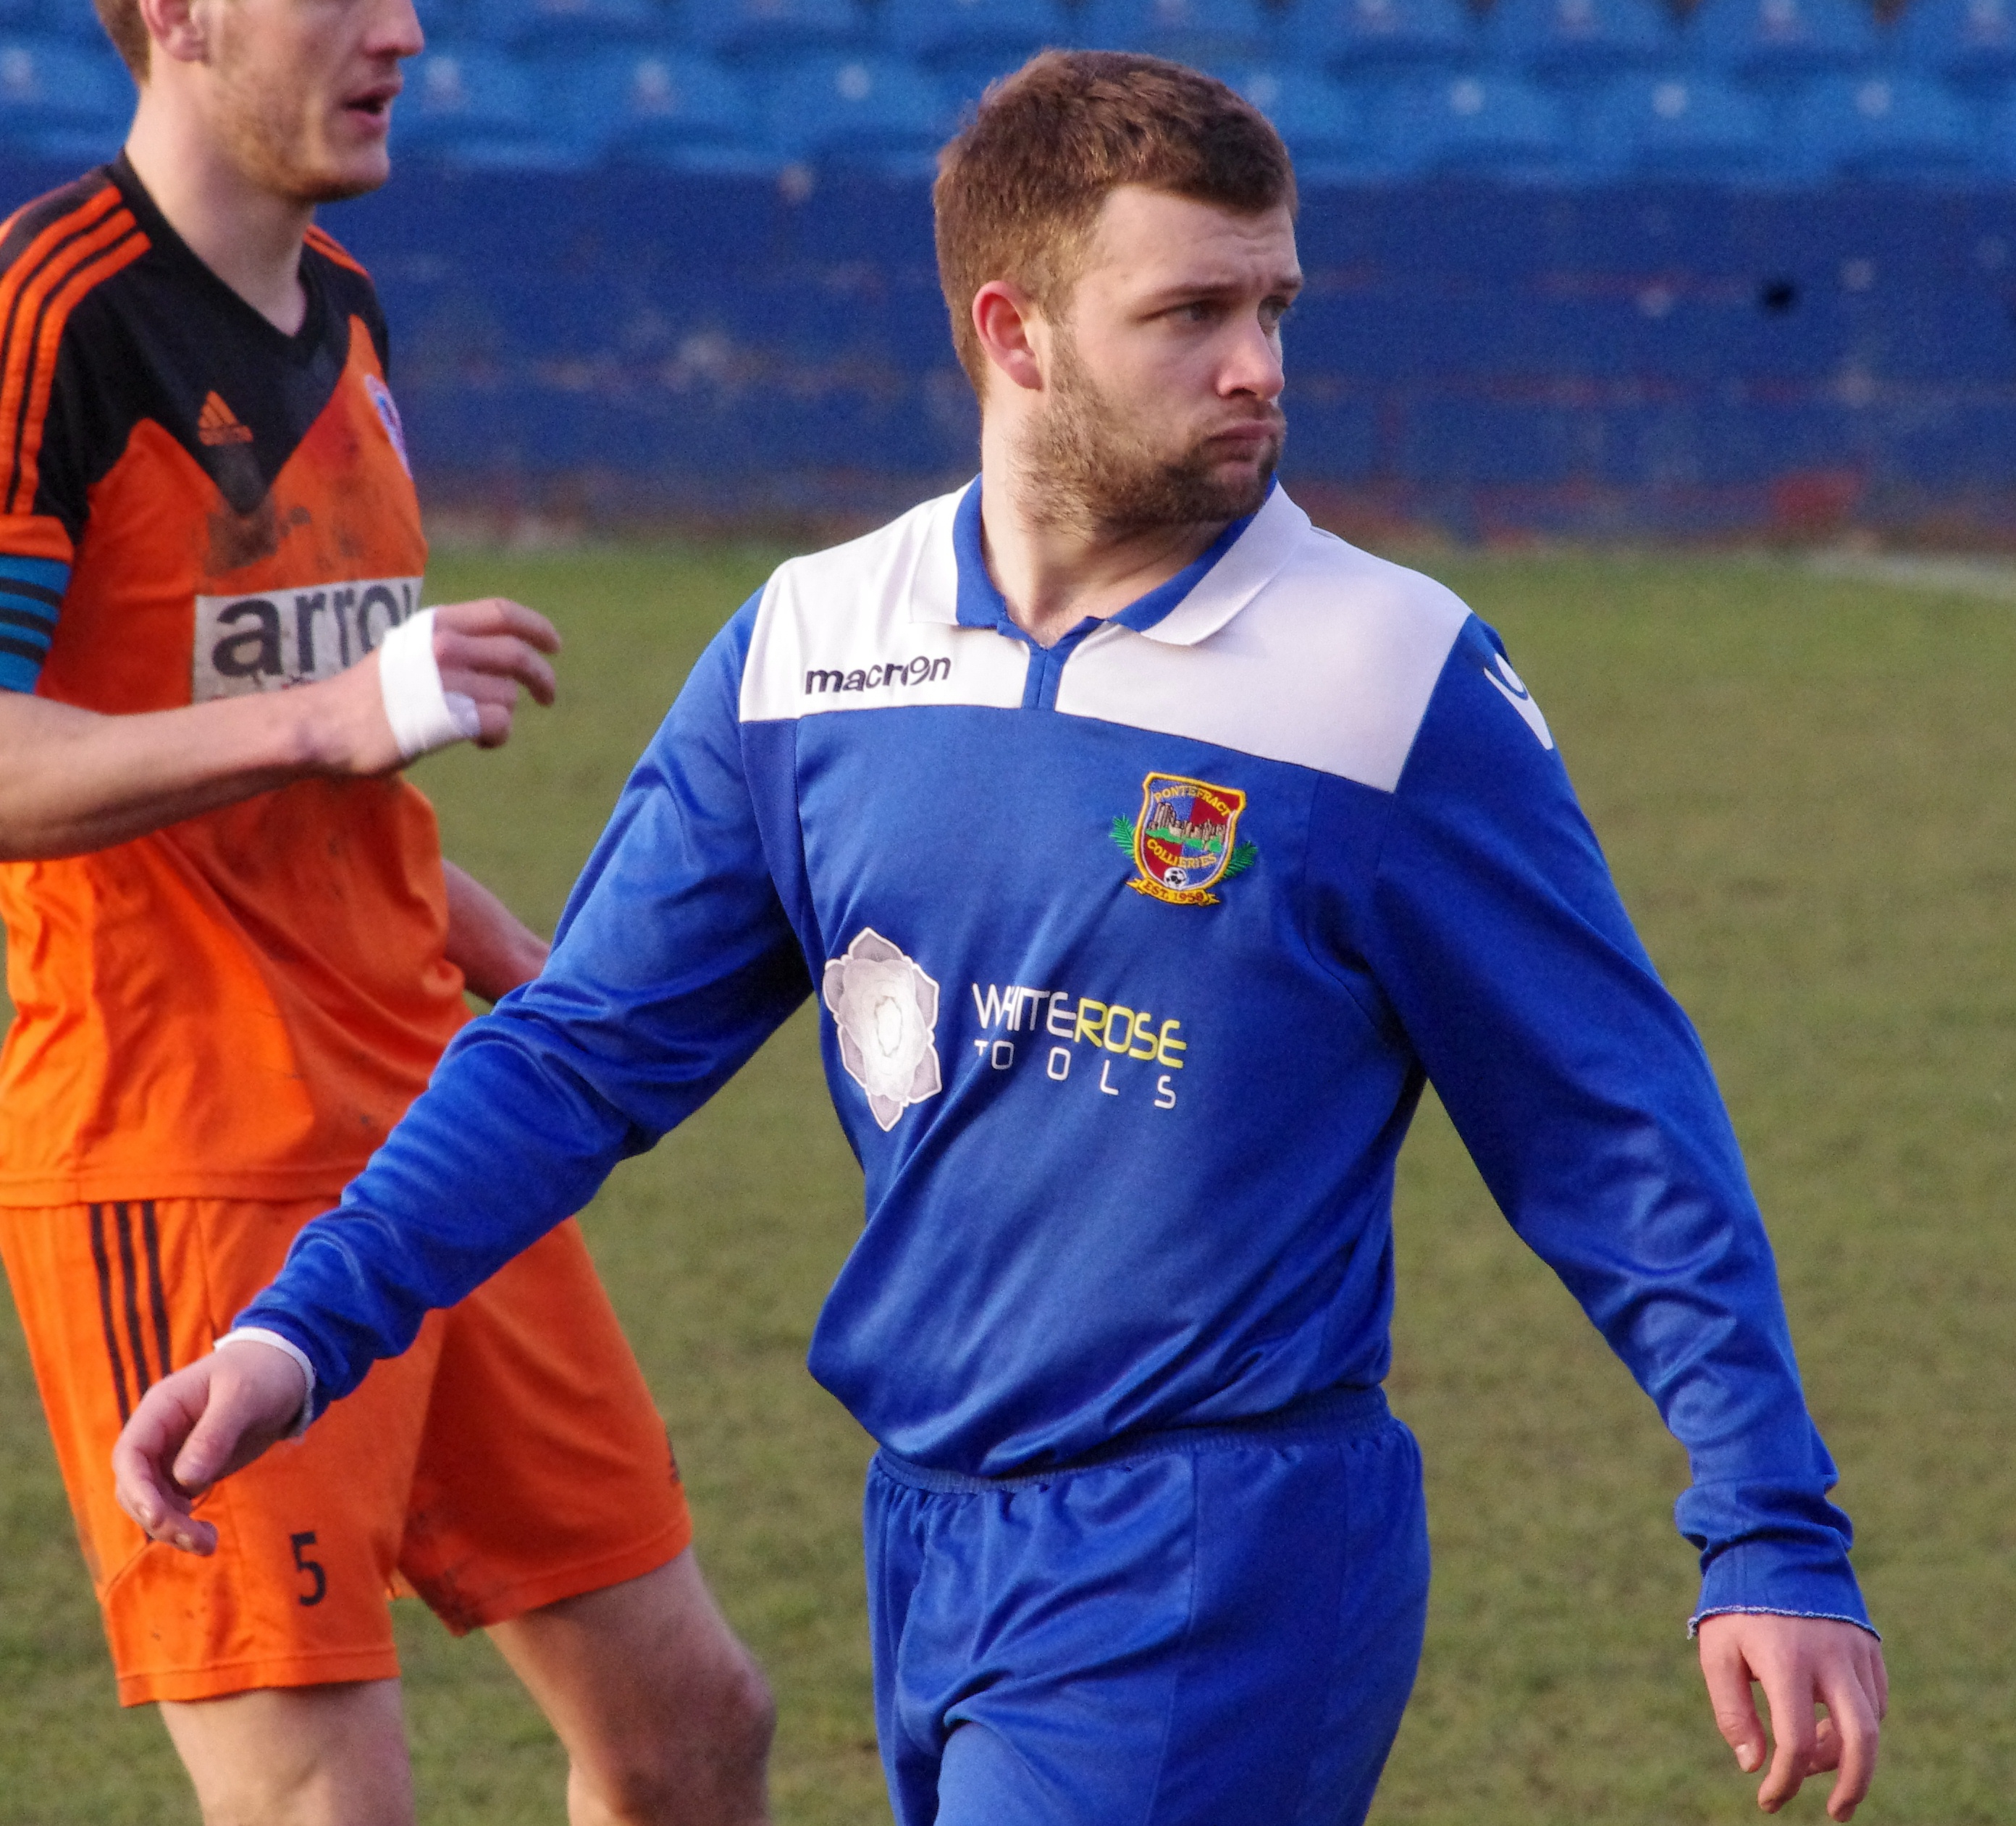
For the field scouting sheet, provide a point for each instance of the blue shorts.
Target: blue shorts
(1213, 1625)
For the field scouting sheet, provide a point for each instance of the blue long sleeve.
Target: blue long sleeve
(672, 963)
(1583, 1093)
(1133, 954)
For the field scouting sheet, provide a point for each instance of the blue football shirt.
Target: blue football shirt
(1134, 953)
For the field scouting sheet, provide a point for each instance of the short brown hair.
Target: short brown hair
(1019, 188)
(127, 32)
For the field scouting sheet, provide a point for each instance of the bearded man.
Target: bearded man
(1149, 849)
(236, 954)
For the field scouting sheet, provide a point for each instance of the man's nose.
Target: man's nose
(1253, 365)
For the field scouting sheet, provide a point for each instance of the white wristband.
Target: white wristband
(423, 715)
(259, 1335)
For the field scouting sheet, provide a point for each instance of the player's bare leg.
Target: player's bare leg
(332, 1756)
(666, 1719)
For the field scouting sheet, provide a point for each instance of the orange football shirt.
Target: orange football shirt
(197, 505)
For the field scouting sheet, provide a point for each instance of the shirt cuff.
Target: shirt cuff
(259, 1335)
(1787, 1577)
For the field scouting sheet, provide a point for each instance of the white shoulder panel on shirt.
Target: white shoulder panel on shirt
(872, 625)
(1328, 664)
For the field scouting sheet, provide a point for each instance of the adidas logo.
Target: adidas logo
(219, 424)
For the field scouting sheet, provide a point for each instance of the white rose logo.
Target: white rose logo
(887, 1010)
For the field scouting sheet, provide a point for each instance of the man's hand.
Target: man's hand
(201, 1424)
(487, 651)
(1801, 1663)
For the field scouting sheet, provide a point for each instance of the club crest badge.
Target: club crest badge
(1186, 840)
(387, 410)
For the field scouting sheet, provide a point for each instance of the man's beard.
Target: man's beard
(266, 132)
(1084, 467)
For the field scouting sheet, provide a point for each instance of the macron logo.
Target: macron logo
(895, 672)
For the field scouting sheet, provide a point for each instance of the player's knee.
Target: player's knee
(705, 1766)
(734, 1717)
(751, 1709)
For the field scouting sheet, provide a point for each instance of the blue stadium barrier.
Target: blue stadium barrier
(1999, 142)
(1635, 358)
(1343, 424)
(1969, 43)
(62, 98)
(1353, 37)
(1578, 42)
(1898, 127)
(1778, 42)
(1752, 287)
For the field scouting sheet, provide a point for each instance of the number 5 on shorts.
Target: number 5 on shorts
(311, 1568)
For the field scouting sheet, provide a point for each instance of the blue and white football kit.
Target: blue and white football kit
(1134, 953)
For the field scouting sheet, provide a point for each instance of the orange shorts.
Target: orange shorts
(513, 1457)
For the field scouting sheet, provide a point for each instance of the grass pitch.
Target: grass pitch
(1804, 784)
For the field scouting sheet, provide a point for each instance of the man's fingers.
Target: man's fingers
(502, 658)
(1728, 1676)
(145, 1487)
(1789, 1694)
(213, 1448)
(497, 615)
(197, 1425)
(1852, 1713)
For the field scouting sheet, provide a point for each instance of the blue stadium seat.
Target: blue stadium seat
(1481, 123)
(1679, 125)
(1326, 125)
(444, 19)
(68, 19)
(1777, 43)
(474, 104)
(1353, 36)
(1969, 42)
(566, 25)
(1192, 31)
(1898, 127)
(659, 106)
(876, 111)
(1999, 146)
(755, 29)
(1581, 41)
(954, 33)
(60, 98)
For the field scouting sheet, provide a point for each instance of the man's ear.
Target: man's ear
(1012, 331)
(176, 28)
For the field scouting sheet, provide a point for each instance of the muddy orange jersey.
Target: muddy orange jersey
(197, 505)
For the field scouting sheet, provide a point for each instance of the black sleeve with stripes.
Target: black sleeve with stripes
(32, 588)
